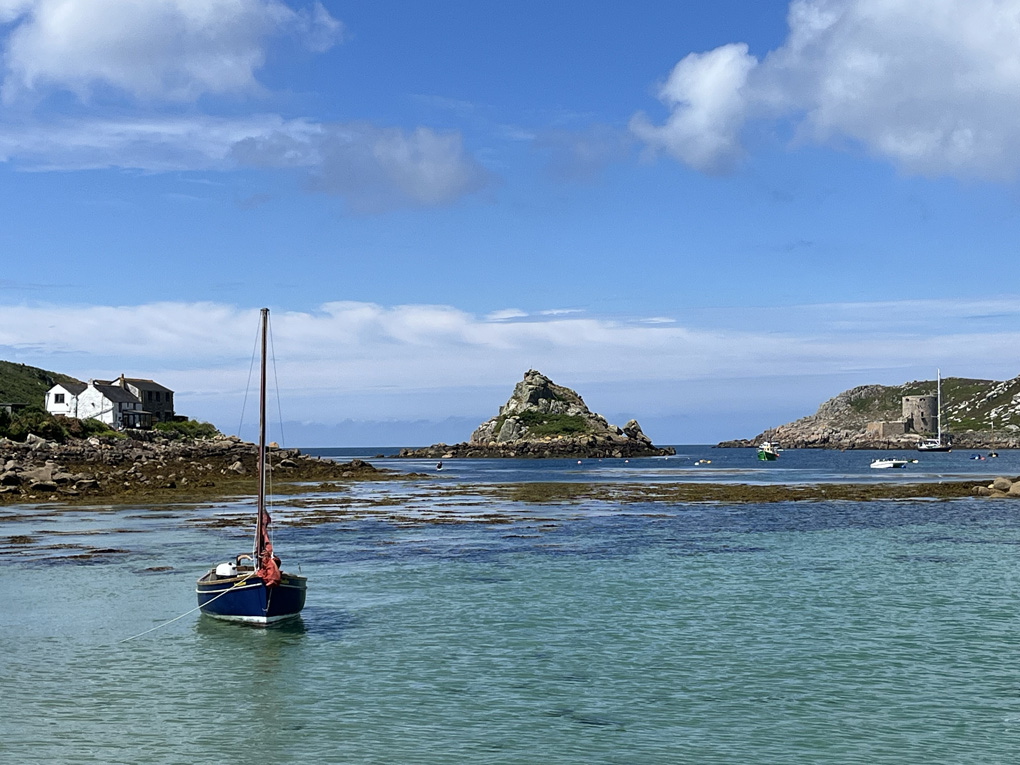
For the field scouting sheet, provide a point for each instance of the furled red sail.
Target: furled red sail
(269, 564)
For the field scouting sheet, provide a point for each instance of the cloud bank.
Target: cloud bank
(933, 87)
(364, 346)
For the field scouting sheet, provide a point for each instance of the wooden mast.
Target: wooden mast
(261, 504)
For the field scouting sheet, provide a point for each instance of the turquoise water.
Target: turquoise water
(705, 463)
(792, 633)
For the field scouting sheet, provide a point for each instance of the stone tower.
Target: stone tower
(920, 413)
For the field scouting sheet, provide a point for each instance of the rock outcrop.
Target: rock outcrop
(1000, 488)
(542, 419)
(978, 414)
(103, 468)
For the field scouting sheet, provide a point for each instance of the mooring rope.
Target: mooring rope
(196, 608)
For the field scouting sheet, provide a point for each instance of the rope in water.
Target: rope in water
(158, 626)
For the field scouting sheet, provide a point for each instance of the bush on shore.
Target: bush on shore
(35, 420)
(186, 429)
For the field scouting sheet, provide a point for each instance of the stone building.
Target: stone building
(921, 414)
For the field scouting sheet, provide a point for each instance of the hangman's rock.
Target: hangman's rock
(543, 419)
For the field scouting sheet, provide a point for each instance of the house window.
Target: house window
(150, 395)
(58, 398)
(157, 395)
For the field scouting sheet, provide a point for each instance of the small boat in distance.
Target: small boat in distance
(888, 462)
(937, 444)
(768, 451)
(257, 592)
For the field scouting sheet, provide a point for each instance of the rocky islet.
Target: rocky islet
(541, 420)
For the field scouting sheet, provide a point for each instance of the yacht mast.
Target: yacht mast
(938, 393)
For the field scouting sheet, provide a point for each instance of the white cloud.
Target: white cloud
(505, 314)
(368, 346)
(172, 50)
(152, 144)
(704, 94)
(933, 87)
(359, 361)
(372, 169)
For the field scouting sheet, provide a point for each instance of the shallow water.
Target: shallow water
(706, 463)
(881, 632)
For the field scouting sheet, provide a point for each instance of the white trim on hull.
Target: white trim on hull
(258, 621)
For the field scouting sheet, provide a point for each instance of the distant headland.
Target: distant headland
(976, 414)
(542, 419)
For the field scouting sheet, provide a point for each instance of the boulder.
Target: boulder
(1001, 484)
(42, 473)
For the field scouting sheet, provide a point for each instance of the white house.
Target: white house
(62, 398)
(156, 399)
(114, 403)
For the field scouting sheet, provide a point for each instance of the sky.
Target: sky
(710, 217)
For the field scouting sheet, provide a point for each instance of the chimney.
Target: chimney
(121, 383)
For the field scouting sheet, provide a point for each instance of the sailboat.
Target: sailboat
(252, 588)
(937, 444)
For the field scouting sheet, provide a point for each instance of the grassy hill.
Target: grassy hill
(22, 384)
(978, 412)
(967, 404)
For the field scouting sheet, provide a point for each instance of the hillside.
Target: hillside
(978, 414)
(22, 384)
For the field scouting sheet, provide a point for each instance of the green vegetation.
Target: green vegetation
(540, 424)
(22, 384)
(545, 424)
(33, 419)
(186, 429)
(967, 404)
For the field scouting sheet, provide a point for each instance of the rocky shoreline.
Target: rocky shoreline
(156, 469)
(590, 447)
(791, 437)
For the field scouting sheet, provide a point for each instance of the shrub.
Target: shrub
(35, 420)
(187, 429)
(540, 424)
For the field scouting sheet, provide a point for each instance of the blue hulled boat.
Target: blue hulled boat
(237, 593)
(256, 592)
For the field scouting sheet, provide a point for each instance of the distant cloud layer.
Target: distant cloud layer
(206, 347)
(932, 86)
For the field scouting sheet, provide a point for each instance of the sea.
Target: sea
(446, 623)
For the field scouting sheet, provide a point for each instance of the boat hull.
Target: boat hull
(246, 598)
(883, 464)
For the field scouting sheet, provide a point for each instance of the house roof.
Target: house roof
(73, 388)
(116, 394)
(138, 382)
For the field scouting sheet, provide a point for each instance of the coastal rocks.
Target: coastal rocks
(157, 469)
(979, 415)
(1000, 488)
(542, 419)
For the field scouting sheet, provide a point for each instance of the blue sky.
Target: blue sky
(710, 217)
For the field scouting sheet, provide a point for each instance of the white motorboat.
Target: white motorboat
(889, 462)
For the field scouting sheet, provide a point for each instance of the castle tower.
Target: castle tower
(920, 413)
